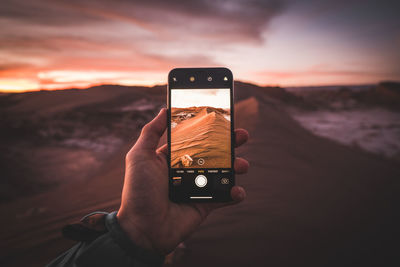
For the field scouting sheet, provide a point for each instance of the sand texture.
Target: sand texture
(205, 135)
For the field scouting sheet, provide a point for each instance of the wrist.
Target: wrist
(136, 249)
(134, 233)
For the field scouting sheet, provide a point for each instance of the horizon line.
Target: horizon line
(7, 91)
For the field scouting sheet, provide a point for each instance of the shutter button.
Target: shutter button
(200, 181)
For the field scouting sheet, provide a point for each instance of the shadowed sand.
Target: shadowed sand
(310, 201)
(205, 135)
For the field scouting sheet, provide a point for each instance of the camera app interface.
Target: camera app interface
(200, 128)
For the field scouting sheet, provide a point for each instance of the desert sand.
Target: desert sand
(310, 201)
(204, 135)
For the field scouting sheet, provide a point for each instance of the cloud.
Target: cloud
(123, 36)
(4, 66)
(43, 12)
(44, 42)
(242, 18)
(313, 72)
(323, 75)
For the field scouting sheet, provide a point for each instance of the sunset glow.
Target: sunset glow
(64, 44)
(217, 98)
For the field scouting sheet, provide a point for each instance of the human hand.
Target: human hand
(146, 214)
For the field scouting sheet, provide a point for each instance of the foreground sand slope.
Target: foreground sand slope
(206, 136)
(311, 202)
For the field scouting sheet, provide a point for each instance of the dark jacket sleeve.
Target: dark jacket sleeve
(111, 247)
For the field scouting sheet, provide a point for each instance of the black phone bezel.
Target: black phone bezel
(182, 76)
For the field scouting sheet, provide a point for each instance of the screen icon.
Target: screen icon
(224, 181)
(200, 161)
(176, 181)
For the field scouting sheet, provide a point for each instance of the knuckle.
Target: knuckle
(146, 129)
(129, 156)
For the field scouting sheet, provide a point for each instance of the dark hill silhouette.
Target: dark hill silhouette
(385, 95)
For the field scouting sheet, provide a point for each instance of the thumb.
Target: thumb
(152, 132)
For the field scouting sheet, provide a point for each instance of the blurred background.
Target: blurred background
(317, 86)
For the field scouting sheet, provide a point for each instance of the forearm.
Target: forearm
(111, 248)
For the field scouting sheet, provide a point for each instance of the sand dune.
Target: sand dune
(310, 201)
(206, 136)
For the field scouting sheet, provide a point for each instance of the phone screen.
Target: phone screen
(200, 128)
(200, 136)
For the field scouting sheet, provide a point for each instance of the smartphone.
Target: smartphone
(200, 134)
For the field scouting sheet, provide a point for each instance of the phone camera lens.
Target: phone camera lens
(191, 78)
(209, 78)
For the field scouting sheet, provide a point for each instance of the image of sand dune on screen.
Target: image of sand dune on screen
(200, 134)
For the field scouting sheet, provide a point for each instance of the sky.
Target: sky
(56, 44)
(217, 98)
